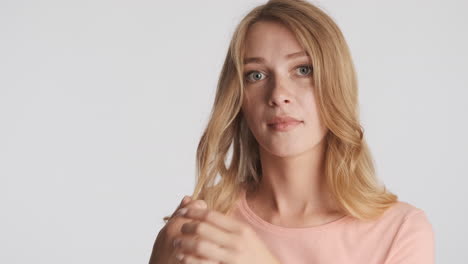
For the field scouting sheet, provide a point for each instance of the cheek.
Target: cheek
(248, 113)
(250, 105)
(308, 103)
(251, 114)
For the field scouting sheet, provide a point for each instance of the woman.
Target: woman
(300, 186)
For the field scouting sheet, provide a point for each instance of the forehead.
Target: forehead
(265, 37)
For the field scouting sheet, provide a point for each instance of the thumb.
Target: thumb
(186, 200)
(202, 204)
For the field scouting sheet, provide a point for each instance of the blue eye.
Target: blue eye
(249, 73)
(259, 74)
(307, 67)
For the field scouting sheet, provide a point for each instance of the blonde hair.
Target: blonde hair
(349, 169)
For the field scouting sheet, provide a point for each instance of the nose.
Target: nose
(279, 94)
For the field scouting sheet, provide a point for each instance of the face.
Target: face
(278, 85)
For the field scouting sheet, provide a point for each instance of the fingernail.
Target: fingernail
(181, 211)
(204, 205)
(201, 204)
(180, 256)
(176, 242)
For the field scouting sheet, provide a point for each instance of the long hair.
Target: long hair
(349, 168)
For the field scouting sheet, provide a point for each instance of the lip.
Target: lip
(282, 119)
(283, 123)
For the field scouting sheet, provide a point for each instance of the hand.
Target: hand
(163, 251)
(215, 238)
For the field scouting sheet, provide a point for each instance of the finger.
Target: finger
(213, 217)
(183, 203)
(186, 199)
(188, 258)
(209, 232)
(201, 249)
(199, 204)
(191, 204)
(203, 204)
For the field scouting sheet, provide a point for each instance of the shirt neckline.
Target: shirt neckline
(259, 222)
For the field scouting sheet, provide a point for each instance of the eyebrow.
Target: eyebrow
(262, 60)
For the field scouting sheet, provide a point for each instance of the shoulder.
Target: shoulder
(405, 209)
(413, 218)
(414, 236)
(408, 219)
(401, 212)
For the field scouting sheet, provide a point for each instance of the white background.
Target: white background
(102, 105)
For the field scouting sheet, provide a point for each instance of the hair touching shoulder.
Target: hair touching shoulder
(349, 168)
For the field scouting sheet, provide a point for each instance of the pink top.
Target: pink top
(402, 235)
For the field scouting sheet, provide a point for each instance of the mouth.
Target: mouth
(284, 126)
(282, 119)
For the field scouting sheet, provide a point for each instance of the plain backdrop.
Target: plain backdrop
(102, 105)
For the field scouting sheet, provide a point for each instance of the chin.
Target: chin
(286, 151)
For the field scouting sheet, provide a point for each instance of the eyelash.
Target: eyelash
(300, 66)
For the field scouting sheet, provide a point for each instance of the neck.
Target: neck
(294, 186)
